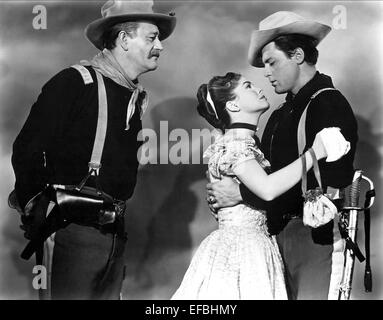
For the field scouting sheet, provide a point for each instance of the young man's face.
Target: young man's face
(145, 47)
(281, 70)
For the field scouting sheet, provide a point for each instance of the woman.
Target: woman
(241, 260)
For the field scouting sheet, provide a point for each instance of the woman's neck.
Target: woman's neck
(246, 124)
(240, 132)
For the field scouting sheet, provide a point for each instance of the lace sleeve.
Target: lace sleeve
(236, 153)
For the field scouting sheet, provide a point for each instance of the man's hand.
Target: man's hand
(221, 194)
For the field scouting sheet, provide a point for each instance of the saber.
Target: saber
(349, 227)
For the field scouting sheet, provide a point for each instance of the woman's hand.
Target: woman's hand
(330, 143)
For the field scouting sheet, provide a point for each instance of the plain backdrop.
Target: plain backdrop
(168, 216)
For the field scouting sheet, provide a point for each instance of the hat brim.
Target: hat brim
(259, 38)
(95, 30)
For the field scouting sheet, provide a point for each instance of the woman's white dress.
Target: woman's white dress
(239, 260)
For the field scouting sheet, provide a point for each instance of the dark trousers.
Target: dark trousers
(309, 266)
(87, 264)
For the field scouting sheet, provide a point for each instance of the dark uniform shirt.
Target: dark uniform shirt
(56, 142)
(280, 146)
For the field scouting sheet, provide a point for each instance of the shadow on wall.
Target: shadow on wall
(161, 212)
(369, 160)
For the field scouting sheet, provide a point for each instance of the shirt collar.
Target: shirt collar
(319, 81)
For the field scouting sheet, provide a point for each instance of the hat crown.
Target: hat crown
(116, 8)
(279, 19)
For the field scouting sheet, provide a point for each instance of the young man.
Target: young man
(56, 142)
(285, 45)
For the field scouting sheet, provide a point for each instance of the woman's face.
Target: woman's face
(250, 98)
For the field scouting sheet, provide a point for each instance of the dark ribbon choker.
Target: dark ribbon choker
(242, 125)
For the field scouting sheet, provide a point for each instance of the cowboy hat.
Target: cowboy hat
(114, 12)
(281, 23)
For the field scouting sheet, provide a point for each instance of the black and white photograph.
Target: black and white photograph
(191, 150)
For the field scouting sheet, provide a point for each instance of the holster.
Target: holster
(88, 206)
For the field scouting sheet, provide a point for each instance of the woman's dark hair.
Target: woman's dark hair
(289, 42)
(109, 37)
(221, 89)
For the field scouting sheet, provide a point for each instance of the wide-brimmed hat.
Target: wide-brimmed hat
(281, 23)
(114, 12)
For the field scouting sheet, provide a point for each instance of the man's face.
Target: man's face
(144, 48)
(281, 70)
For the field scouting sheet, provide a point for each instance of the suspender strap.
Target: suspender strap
(315, 168)
(95, 161)
(304, 174)
(301, 132)
(98, 146)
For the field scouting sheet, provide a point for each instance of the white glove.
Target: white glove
(335, 144)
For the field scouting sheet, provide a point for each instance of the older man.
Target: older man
(61, 137)
(285, 45)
